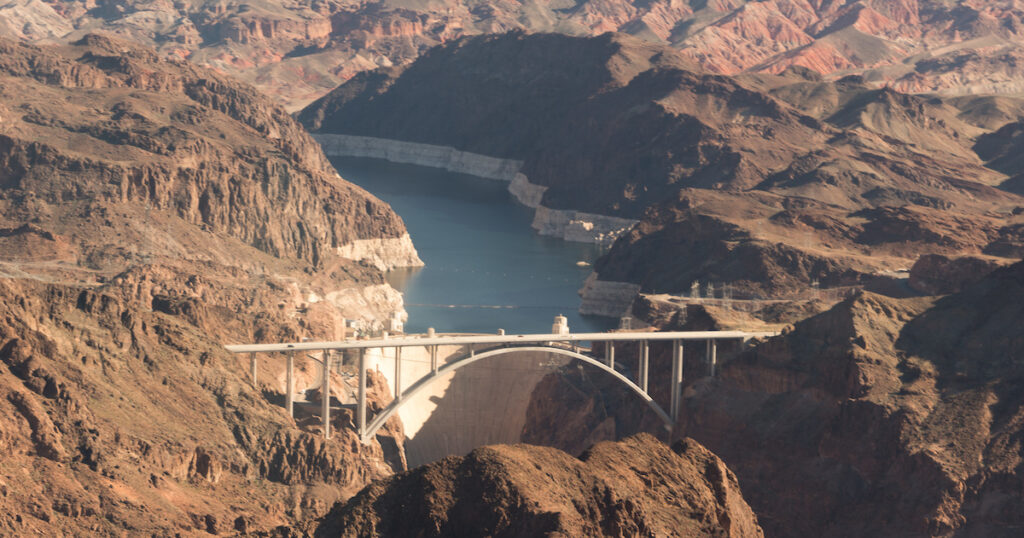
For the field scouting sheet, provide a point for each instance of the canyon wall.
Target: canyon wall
(877, 416)
(151, 212)
(384, 253)
(761, 187)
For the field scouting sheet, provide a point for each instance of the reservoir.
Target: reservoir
(485, 267)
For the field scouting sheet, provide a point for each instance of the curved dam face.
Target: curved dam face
(479, 404)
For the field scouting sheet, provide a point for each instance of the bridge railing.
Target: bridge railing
(432, 341)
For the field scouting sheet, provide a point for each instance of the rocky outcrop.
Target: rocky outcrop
(938, 275)
(202, 166)
(302, 207)
(520, 490)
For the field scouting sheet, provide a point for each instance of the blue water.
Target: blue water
(485, 267)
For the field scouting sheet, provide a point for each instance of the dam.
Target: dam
(485, 269)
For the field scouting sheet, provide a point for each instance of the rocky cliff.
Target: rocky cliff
(152, 212)
(638, 486)
(211, 152)
(877, 416)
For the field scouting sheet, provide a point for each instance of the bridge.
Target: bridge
(483, 346)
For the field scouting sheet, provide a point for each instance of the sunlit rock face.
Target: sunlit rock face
(638, 485)
(151, 212)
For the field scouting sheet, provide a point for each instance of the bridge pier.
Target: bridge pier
(712, 357)
(289, 390)
(325, 394)
(644, 356)
(361, 405)
(398, 373)
(252, 368)
(677, 379)
(609, 354)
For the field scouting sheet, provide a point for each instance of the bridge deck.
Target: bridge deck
(442, 340)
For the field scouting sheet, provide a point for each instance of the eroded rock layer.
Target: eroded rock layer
(150, 213)
(761, 186)
(300, 49)
(879, 415)
(638, 486)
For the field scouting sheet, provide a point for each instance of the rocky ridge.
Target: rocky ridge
(878, 415)
(522, 490)
(153, 211)
(298, 50)
(771, 184)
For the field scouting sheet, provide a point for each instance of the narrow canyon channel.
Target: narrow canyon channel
(485, 267)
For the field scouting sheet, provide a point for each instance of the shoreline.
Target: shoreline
(598, 297)
(566, 224)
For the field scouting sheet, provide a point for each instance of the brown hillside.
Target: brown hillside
(879, 416)
(151, 212)
(638, 486)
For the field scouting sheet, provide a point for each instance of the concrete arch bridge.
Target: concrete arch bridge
(482, 347)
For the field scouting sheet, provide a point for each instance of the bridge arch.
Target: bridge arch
(427, 380)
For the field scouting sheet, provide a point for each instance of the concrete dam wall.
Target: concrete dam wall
(482, 403)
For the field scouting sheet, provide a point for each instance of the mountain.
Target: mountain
(876, 416)
(151, 212)
(765, 183)
(638, 486)
(299, 49)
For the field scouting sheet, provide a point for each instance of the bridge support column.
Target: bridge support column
(325, 394)
(643, 364)
(361, 400)
(289, 390)
(609, 354)
(677, 378)
(398, 373)
(712, 357)
(433, 359)
(252, 367)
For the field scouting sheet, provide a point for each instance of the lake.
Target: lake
(485, 267)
